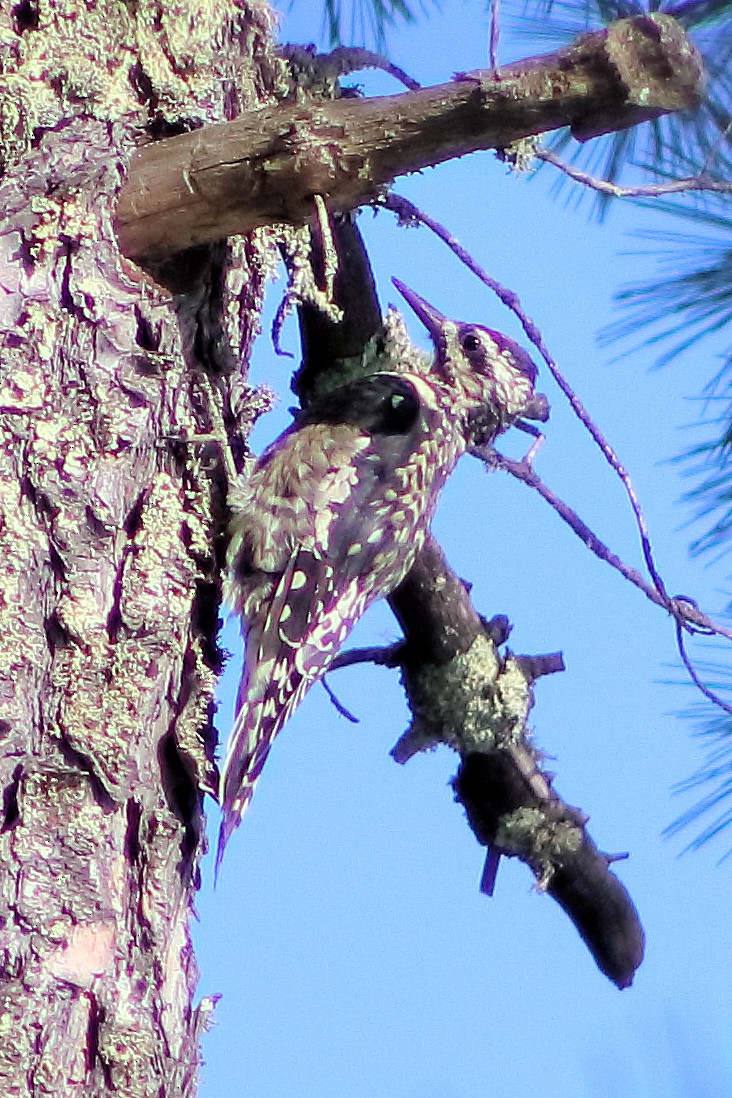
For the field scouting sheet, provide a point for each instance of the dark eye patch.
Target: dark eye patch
(517, 358)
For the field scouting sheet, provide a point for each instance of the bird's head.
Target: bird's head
(493, 372)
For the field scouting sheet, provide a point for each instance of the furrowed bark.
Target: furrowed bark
(265, 167)
(110, 536)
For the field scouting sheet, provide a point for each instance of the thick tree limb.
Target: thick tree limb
(462, 691)
(266, 166)
(511, 804)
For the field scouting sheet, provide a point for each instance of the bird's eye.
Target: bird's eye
(470, 343)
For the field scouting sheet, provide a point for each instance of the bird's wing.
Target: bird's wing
(315, 548)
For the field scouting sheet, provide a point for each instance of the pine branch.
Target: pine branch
(265, 167)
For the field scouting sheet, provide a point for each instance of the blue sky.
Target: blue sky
(354, 952)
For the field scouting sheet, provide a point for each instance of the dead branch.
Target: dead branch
(266, 166)
(582, 884)
(703, 181)
(462, 691)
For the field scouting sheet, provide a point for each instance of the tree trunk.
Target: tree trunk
(111, 518)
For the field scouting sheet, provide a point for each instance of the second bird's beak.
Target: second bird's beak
(428, 314)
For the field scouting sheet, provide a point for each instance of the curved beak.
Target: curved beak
(428, 314)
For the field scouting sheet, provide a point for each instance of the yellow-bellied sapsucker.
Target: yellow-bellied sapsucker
(336, 511)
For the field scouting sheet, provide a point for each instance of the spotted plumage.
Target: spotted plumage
(337, 509)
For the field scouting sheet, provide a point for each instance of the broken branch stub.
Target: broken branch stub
(266, 166)
(464, 693)
(508, 812)
(461, 689)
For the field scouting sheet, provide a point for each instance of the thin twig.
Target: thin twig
(338, 704)
(700, 182)
(353, 59)
(389, 656)
(524, 472)
(218, 426)
(327, 246)
(411, 214)
(283, 311)
(494, 36)
(685, 611)
(714, 150)
(686, 614)
(706, 691)
(308, 66)
(299, 248)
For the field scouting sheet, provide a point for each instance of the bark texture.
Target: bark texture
(109, 526)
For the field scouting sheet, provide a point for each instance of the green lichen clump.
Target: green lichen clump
(123, 63)
(476, 702)
(539, 840)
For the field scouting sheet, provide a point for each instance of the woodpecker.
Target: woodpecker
(337, 509)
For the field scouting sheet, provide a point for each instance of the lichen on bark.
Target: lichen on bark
(110, 533)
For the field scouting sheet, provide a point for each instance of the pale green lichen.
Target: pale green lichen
(514, 696)
(297, 246)
(80, 57)
(539, 840)
(520, 155)
(472, 703)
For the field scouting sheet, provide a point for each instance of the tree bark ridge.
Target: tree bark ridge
(110, 531)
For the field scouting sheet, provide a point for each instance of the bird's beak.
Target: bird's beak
(428, 314)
